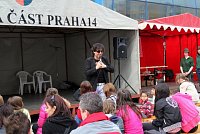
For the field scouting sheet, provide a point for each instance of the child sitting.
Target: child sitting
(17, 103)
(146, 107)
(109, 110)
(129, 113)
(189, 112)
(168, 116)
(110, 92)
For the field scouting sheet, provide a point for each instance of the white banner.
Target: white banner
(62, 13)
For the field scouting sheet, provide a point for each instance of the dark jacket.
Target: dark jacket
(92, 73)
(58, 125)
(167, 114)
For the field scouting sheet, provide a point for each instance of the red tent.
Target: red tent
(162, 40)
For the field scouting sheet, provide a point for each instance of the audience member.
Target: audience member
(18, 105)
(187, 87)
(152, 100)
(146, 107)
(189, 112)
(43, 114)
(1, 100)
(129, 112)
(5, 111)
(59, 117)
(168, 116)
(85, 87)
(110, 92)
(110, 110)
(94, 120)
(18, 123)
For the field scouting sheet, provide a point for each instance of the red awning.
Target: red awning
(171, 25)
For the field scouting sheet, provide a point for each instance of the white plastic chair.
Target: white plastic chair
(42, 79)
(25, 79)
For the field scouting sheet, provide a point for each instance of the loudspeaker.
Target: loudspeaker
(120, 47)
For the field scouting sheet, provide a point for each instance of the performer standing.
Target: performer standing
(198, 64)
(97, 68)
(187, 64)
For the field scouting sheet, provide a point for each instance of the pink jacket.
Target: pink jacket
(132, 122)
(42, 118)
(189, 112)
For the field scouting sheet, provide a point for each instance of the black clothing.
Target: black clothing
(168, 117)
(58, 125)
(167, 113)
(92, 74)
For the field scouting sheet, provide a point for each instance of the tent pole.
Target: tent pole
(109, 51)
(22, 55)
(66, 61)
(164, 46)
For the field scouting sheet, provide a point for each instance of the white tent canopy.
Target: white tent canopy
(63, 13)
(60, 50)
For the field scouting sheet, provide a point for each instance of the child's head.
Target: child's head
(162, 91)
(180, 78)
(153, 90)
(109, 89)
(85, 87)
(18, 123)
(16, 102)
(108, 107)
(51, 91)
(1, 100)
(123, 99)
(143, 96)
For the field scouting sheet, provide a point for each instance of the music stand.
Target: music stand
(120, 76)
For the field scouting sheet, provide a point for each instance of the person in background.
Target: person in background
(110, 110)
(43, 114)
(187, 64)
(198, 64)
(110, 92)
(18, 105)
(1, 100)
(94, 120)
(18, 123)
(152, 100)
(187, 87)
(97, 68)
(5, 111)
(146, 107)
(59, 116)
(168, 116)
(189, 112)
(129, 112)
(85, 87)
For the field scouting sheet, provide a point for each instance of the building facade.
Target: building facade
(151, 9)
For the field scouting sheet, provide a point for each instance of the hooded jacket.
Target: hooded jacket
(58, 124)
(168, 116)
(189, 112)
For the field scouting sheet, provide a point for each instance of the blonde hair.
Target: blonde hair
(181, 76)
(16, 102)
(108, 89)
(108, 107)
